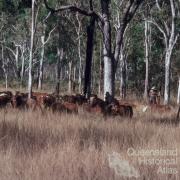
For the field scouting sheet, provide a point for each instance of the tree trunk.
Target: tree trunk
(40, 79)
(178, 114)
(146, 84)
(17, 62)
(122, 75)
(22, 65)
(70, 78)
(31, 50)
(100, 71)
(80, 57)
(89, 55)
(169, 49)
(109, 72)
(80, 68)
(4, 67)
(58, 69)
(178, 94)
(74, 74)
(167, 76)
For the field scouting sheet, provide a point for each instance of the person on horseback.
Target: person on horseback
(154, 96)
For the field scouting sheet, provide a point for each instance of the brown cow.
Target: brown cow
(128, 108)
(95, 105)
(39, 97)
(95, 109)
(44, 99)
(119, 109)
(65, 107)
(160, 108)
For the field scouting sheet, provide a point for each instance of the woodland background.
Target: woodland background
(148, 52)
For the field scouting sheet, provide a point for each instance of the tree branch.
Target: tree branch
(49, 35)
(14, 54)
(74, 9)
(160, 29)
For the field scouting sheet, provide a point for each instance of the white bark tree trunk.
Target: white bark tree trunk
(169, 49)
(178, 94)
(4, 67)
(22, 65)
(100, 70)
(79, 52)
(17, 62)
(146, 84)
(70, 77)
(170, 38)
(41, 65)
(108, 87)
(107, 51)
(60, 54)
(41, 62)
(74, 74)
(31, 49)
(122, 74)
(167, 76)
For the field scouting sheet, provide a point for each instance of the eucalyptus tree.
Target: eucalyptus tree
(165, 16)
(12, 38)
(45, 37)
(31, 48)
(176, 70)
(103, 18)
(147, 44)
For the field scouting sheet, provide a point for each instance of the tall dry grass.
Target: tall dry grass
(36, 146)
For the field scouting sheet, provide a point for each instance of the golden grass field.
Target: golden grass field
(46, 146)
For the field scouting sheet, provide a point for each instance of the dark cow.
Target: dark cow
(69, 98)
(48, 101)
(177, 117)
(20, 100)
(76, 99)
(5, 98)
(95, 105)
(80, 99)
(94, 101)
(115, 108)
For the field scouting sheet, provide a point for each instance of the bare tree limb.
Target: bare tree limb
(49, 35)
(74, 9)
(160, 29)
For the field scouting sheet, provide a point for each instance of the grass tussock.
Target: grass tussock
(53, 146)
